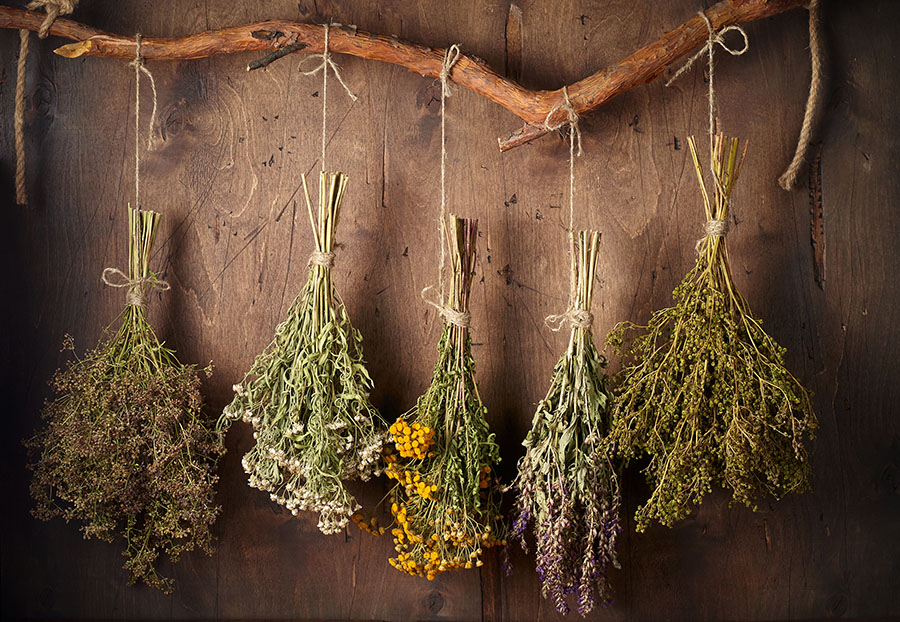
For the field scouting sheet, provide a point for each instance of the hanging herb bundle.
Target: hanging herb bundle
(566, 485)
(703, 389)
(125, 449)
(307, 394)
(446, 500)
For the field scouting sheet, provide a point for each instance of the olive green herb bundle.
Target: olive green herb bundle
(446, 500)
(307, 394)
(566, 485)
(703, 389)
(125, 449)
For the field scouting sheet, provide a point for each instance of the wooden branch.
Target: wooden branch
(470, 72)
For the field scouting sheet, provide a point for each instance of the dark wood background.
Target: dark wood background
(233, 245)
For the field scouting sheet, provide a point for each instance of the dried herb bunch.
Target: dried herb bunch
(307, 394)
(566, 485)
(125, 449)
(703, 389)
(446, 500)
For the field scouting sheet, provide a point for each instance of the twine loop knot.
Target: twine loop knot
(571, 118)
(717, 228)
(53, 8)
(325, 63)
(576, 318)
(450, 57)
(716, 37)
(452, 316)
(319, 258)
(137, 288)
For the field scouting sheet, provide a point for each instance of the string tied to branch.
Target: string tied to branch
(451, 315)
(326, 62)
(572, 316)
(53, 8)
(138, 288)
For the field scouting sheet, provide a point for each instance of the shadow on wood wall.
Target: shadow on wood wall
(225, 176)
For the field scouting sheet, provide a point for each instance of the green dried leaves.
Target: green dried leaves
(446, 500)
(307, 394)
(703, 389)
(125, 449)
(566, 485)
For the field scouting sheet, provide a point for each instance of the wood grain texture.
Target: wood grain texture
(225, 174)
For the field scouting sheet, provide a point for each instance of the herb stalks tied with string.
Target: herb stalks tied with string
(446, 502)
(566, 486)
(307, 394)
(125, 449)
(703, 390)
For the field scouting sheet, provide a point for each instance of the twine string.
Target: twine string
(716, 37)
(450, 315)
(319, 258)
(113, 277)
(788, 179)
(53, 8)
(139, 68)
(138, 288)
(450, 57)
(572, 316)
(713, 227)
(326, 62)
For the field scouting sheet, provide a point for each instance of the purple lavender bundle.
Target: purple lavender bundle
(566, 485)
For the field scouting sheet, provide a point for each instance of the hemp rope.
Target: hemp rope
(137, 286)
(452, 316)
(713, 227)
(788, 179)
(574, 317)
(53, 8)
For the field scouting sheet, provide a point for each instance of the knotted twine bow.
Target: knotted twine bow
(714, 227)
(137, 286)
(573, 316)
(451, 315)
(54, 9)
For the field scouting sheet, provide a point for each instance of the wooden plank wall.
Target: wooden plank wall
(225, 175)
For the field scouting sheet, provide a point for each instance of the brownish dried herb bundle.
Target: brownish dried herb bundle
(703, 389)
(125, 449)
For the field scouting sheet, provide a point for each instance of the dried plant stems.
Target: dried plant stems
(446, 500)
(125, 449)
(566, 486)
(307, 394)
(703, 389)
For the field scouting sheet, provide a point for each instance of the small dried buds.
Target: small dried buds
(125, 449)
(566, 487)
(703, 389)
(446, 501)
(307, 394)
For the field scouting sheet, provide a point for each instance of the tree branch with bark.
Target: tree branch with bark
(538, 109)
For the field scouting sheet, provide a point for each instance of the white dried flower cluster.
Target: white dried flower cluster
(307, 397)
